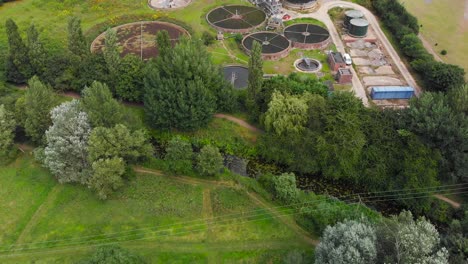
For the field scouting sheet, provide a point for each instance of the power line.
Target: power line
(243, 214)
(203, 224)
(177, 233)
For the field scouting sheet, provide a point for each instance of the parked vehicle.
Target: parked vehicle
(347, 59)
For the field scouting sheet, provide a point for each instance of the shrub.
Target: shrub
(209, 160)
(443, 52)
(285, 188)
(179, 155)
(207, 38)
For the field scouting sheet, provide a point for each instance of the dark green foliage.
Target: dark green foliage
(176, 103)
(7, 128)
(293, 84)
(183, 88)
(130, 84)
(39, 99)
(255, 80)
(443, 52)
(18, 65)
(441, 128)
(456, 239)
(164, 43)
(102, 109)
(113, 255)
(179, 156)
(209, 161)
(76, 41)
(37, 53)
(207, 38)
(439, 76)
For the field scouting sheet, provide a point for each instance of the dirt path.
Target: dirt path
(238, 121)
(428, 47)
(37, 215)
(285, 220)
(230, 53)
(257, 199)
(186, 179)
(447, 200)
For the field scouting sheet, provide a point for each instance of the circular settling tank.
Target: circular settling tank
(307, 36)
(139, 38)
(236, 18)
(300, 4)
(274, 45)
(168, 4)
(308, 65)
(236, 75)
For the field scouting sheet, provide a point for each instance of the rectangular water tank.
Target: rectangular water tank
(392, 92)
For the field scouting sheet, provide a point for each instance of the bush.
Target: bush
(207, 38)
(443, 52)
(209, 161)
(114, 255)
(179, 155)
(285, 188)
(238, 38)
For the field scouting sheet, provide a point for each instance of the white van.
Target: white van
(347, 59)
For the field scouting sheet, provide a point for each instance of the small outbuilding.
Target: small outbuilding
(336, 61)
(344, 75)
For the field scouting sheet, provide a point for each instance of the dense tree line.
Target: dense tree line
(437, 76)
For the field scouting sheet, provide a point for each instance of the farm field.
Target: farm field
(445, 23)
(157, 216)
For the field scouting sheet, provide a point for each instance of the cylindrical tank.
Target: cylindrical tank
(358, 27)
(352, 14)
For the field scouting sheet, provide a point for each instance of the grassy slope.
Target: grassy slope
(443, 23)
(158, 206)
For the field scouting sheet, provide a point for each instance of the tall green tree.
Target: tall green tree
(177, 103)
(179, 155)
(37, 53)
(7, 128)
(287, 113)
(77, 43)
(102, 109)
(188, 61)
(66, 153)
(458, 99)
(118, 142)
(112, 56)
(130, 86)
(285, 189)
(209, 160)
(340, 146)
(255, 80)
(164, 43)
(431, 118)
(107, 176)
(39, 99)
(18, 65)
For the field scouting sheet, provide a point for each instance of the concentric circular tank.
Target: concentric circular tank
(352, 14)
(358, 27)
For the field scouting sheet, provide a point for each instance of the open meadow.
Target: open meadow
(158, 216)
(445, 23)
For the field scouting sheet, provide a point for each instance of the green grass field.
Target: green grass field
(160, 217)
(445, 23)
